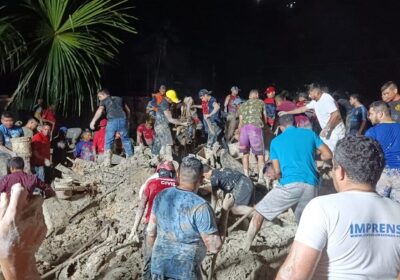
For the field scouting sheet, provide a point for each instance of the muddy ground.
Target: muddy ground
(87, 236)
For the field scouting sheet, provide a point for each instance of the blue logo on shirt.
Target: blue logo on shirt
(372, 229)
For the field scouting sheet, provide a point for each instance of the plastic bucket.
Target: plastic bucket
(21, 146)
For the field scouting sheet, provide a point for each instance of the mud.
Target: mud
(109, 214)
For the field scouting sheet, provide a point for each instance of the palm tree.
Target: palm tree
(11, 44)
(67, 43)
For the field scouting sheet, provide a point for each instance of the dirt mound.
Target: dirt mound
(87, 237)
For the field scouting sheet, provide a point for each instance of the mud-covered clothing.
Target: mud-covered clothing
(251, 136)
(163, 136)
(84, 150)
(270, 109)
(395, 110)
(114, 106)
(235, 182)
(252, 112)
(231, 108)
(215, 118)
(182, 216)
(29, 182)
(154, 186)
(7, 133)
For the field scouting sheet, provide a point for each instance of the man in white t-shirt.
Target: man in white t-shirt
(353, 234)
(328, 115)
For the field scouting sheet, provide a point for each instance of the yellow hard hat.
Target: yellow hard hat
(171, 94)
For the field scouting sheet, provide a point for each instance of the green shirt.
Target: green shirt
(252, 112)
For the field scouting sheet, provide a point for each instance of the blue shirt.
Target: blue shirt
(388, 136)
(84, 150)
(179, 249)
(358, 115)
(7, 133)
(295, 151)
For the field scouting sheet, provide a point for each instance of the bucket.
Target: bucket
(21, 146)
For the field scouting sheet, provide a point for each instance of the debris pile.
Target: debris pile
(87, 233)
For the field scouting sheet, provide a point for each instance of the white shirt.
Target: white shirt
(323, 108)
(357, 232)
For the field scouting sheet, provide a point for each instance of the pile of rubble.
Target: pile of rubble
(87, 233)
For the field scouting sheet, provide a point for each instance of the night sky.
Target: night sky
(347, 45)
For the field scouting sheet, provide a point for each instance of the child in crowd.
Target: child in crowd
(270, 106)
(84, 148)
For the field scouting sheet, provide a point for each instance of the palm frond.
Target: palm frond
(11, 44)
(71, 42)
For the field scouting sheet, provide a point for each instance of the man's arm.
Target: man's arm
(325, 152)
(363, 120)
(139, 137)
(127, 111)
(300, 263)
(334, 120)
(297, 111)
(139, 214)
(240, 122)
(362, 127)
(226, 104)
(170, 119)
(4, 149)
(48, 190)
(97, 116)
(265, 115)
(151, 231)
(214, 241)
(277, 169)
(214, 111)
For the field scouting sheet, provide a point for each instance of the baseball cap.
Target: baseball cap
(236, 88)
(204, 92)
(269, 89)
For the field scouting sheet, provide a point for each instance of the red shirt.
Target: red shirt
(99, 139)
(301, 120)
(154, 186)
(148, 133)
(232, 108)
(41, 146)
(29, 182)
(49, 115)
(204, 107)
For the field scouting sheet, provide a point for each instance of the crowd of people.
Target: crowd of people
(352, 234)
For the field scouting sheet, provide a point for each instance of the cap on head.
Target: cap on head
(269, 90)
(63, 129)
(166, 165)
(203, 92)
(171, 94)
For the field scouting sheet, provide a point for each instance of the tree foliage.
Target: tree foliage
(66, 45)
